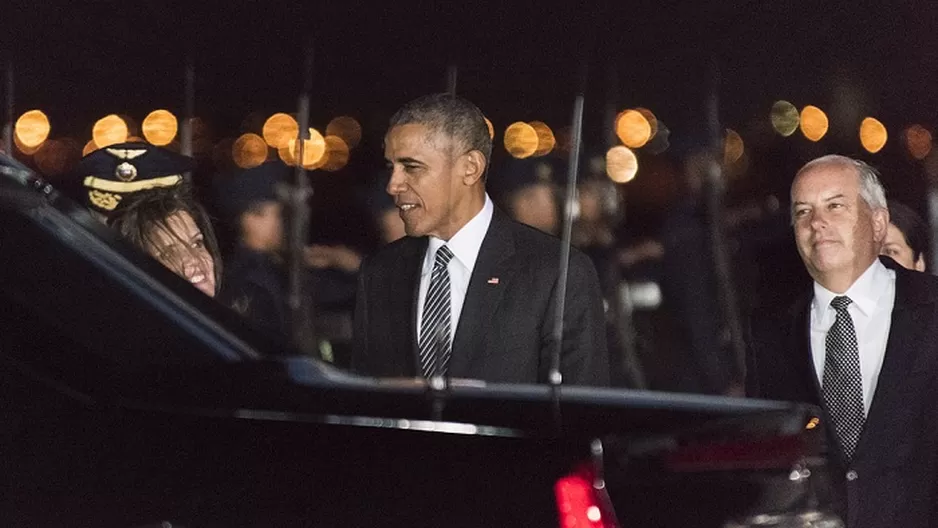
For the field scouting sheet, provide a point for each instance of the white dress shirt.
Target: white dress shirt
(465, 246)
(873, 295)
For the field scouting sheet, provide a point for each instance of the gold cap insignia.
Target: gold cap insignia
(126, 154)
(104, 200)
(125, 172)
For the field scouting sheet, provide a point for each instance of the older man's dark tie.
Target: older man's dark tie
(841, 386)
(434, 343)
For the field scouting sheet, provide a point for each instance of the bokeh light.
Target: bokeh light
(314, 149)
(873, 135)
(621, 164)
(919, 141)
(109, 130)
(249, 151)
(633, 129)
(29, 151)
(545, 138)
(814, 123)
(32, 128)
(90, 147)
(280, 130)
(520, 140)
(347, 129)
(733, 147)
(651, 118)
(491, 128)
(336, 155)
(785, 118)
(57, 156)
(160, 127)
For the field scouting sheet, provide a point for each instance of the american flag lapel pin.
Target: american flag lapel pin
(493, 280)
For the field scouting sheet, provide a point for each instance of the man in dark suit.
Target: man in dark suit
(863, 344)
(468, 293)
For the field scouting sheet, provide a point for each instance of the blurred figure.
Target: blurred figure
(906, 237)
(384, 214)
(111, 174)
(690, 287)
(526, 190)
(256, 267)
(174, 229)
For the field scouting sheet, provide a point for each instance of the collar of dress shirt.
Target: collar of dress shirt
(864, 292)
(465, 244)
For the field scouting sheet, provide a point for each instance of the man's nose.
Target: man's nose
(396, 183)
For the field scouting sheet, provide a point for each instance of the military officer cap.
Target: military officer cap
(110, 173)
(516, 174)
(242, 188)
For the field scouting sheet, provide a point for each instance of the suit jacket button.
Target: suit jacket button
(852, 475)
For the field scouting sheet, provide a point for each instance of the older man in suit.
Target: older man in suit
(862, 344)
(468, 293)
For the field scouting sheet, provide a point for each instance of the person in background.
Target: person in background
(906, 237)
(526, 190)
(173, 228)
(256, 267)
(111, 174)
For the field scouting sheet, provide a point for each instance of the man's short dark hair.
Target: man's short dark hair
(912, 227)
(452, 116)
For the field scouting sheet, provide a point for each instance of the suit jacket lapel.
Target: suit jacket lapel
(491, 276)
(909, 319)
(404, 322)
(800, 346)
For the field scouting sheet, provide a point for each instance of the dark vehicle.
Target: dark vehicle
(131, 399)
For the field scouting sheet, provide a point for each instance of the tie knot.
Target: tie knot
(841, 302)
(443, 256)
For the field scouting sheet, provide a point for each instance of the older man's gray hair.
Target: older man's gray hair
(871, 189)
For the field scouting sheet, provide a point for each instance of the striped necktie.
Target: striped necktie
(434, 343)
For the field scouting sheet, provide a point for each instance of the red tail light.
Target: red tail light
(581, 503)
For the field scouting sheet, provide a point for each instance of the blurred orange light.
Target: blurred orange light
(733, 147)
(520, 140)
(621, 164)
(814, 123)
(545, 138)
(314, 149)
(652, 120)
(32, 128)
(919, 141)
(160, 127)
(29, 151)
(336, 156)
(491, 128)
(249, 151)
(873, 135)
(109, 130)
(785, 118)
(280, 130)
(633, 128)
(346, 128)
(90, 147)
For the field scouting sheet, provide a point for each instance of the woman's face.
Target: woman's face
(182, 249)
(896, 247)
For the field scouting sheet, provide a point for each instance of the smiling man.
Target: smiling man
(468, 293)
(862, 344)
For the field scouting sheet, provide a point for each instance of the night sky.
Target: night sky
(517, 60)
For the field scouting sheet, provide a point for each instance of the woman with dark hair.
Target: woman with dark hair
(906, 237)
(173, 228)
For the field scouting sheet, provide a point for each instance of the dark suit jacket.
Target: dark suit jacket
(891, 480)
(504, 330)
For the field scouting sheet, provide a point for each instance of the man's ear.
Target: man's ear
(920, 263)
(473, 166)
(880, 220)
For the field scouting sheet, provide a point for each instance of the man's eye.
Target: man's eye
(198, 243)
(835, 205)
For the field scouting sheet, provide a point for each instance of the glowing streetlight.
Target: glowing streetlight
(621, 164)
(814, 123)
(32, 128)
(109, 130)
(520, 140)
(160, 127)
(873, 135)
